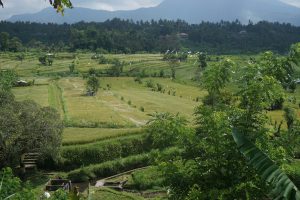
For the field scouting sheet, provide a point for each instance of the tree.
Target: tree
(165, 129)
(210, 166)
(214, 80)
(10, 131)
(24, 127)
(278, 67)
(15, 44)
(173, 65)
(72, 66)
(20, 57)
(290, 117)
(4, 41)
(116, 69)
(7, 79)
(47, 59)
(202, 57)
(295, 53)
(92, 85)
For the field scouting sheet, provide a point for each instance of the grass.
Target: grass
(107, 109)
(84, 109)
(73, 136)
(146, 179)
(55, 98)
(108, 194)
(98, 124)
(141, 96)
(39, 94)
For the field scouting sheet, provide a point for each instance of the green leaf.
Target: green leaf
(282, 186)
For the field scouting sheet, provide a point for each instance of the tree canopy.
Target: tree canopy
(125, 36)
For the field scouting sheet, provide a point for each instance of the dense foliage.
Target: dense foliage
(12, 188)
(78, 155)
(25, 126)
(211, 166)
(155, 36)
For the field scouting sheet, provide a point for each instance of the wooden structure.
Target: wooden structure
(55, 184)
(29, 161)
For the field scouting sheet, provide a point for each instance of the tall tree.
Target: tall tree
(92, 85)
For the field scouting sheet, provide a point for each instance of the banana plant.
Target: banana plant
(282, 186)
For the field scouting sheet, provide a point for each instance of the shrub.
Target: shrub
(120, 165)
(138, 79)
(147, 179)
(166, 130)
(142, 109)
(161, 73)
(79, 155)
(150, 84)
(102, 60)
(109, 168)
(159, 87)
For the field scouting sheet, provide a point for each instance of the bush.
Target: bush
(166, 130)
(142, 109)
(150, 84)
(147, 179)
(109, 168)
(293, 171)
(278, 104)
(60, 195)
(76, 156)
(138, 79)
(159, 87)
(120, 165)
(102, 60)
(46, 60)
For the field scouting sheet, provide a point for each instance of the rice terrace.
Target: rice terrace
(137, 108)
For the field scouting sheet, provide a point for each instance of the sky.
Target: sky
(14, 7)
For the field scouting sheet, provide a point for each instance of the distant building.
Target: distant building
(183, 35)
(243, 32)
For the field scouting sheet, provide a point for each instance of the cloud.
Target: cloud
(113, 5)
(15, 7)
(292, 2)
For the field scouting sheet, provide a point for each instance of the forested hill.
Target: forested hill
(192, 11)
(155, 36)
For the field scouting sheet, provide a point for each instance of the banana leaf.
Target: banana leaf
(282, 186)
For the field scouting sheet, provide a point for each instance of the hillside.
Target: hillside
(192, 11)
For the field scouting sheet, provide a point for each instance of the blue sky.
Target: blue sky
(13, 7)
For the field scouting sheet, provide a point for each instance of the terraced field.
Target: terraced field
(105, 134)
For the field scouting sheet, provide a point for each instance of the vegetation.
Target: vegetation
(11, 187)
(171, 114)
(125, 36)
(92, 85)
(25, 126)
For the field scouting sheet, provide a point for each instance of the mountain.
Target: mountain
(192, 11)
